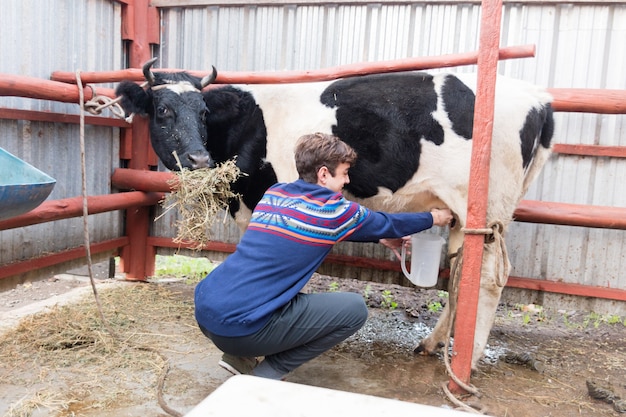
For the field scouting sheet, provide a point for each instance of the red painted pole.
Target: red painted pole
(325, 74)
(130, 179)
(32, 87)
(529, 211)
(73, 207)
(589, 100)
(467, 304)
(138, 258)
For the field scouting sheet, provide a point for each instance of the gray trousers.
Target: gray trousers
(306, 327)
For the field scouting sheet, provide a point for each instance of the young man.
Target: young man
(251, 306)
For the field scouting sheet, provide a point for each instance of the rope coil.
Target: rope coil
(98, 103)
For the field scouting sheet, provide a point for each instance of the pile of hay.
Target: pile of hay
(199, 195)
(65, 361)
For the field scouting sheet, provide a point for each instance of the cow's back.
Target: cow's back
(412, 132)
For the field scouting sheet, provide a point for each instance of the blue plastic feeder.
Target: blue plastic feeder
(22, 186)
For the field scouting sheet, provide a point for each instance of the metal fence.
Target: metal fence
(37, 38)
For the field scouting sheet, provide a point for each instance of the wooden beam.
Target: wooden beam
(588, 100)
(73, 207)
(567, 288)
(33, 264)
(44, 116)
(565, 214)
(590, 150)
(324, 74)
(137, 259)
(32, 87)
(556, 287)
(528, 211)
(478, 190)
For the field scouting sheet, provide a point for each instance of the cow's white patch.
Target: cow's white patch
(283, 130)
(178, 88)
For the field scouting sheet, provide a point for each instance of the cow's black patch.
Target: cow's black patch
(236, 128)
(537, 131)
(459, 101)
(383, 117)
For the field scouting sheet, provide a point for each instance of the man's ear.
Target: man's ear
(322, 174)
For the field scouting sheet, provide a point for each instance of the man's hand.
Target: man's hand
(396, 244)
(441, 217)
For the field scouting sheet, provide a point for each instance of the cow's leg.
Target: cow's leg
(493, 277)
(437, 338)
(493, 274)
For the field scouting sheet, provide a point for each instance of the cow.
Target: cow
(412, 132)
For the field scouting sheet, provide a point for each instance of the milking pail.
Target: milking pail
(425, 258)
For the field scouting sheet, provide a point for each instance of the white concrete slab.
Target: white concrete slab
(245, 396)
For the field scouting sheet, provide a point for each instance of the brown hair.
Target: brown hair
(316, 150)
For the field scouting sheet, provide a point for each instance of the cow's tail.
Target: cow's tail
(543, 149)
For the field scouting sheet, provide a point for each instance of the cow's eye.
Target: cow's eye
(203, 114)
(162, 111)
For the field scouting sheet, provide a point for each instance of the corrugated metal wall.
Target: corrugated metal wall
(579, 45)
(36, 38)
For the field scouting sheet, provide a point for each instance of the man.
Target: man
(251, 306)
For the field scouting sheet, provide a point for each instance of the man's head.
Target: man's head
(324, 159)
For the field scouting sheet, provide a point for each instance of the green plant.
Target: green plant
(388, 301)
(442, 294)
(333, 286)
(613, 319)
(434, 306)
(177, 266)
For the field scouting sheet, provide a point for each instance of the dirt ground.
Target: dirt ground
(566, 349)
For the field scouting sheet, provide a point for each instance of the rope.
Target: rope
(455, 277)
(99, 103)
(493, 233)
(86, 239)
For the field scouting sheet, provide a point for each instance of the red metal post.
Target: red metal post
(467, 304)
(67, 208)
(137, 259)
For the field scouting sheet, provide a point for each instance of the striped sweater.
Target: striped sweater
(292, 230)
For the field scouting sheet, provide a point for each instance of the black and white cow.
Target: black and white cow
(412, 132)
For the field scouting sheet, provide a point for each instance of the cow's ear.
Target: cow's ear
(134, 98)
(223, 105)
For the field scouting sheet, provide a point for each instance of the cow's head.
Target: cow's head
(177, 112)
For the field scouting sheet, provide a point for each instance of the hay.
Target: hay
(78, 365)
(199, 195)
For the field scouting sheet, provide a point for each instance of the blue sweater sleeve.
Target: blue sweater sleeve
(380, 225)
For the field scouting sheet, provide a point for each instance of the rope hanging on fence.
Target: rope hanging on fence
(493, 234)
(99, 103)
(166, 366)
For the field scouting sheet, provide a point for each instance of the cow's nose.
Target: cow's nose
(200, 161)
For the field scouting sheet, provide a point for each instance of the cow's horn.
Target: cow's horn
(208, 79)
(147, 72)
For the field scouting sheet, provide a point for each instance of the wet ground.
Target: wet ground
(378, 360)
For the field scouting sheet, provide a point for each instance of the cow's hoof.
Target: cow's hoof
(422, 350)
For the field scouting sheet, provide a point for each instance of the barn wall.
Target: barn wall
(579, 45)
(37, 38)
